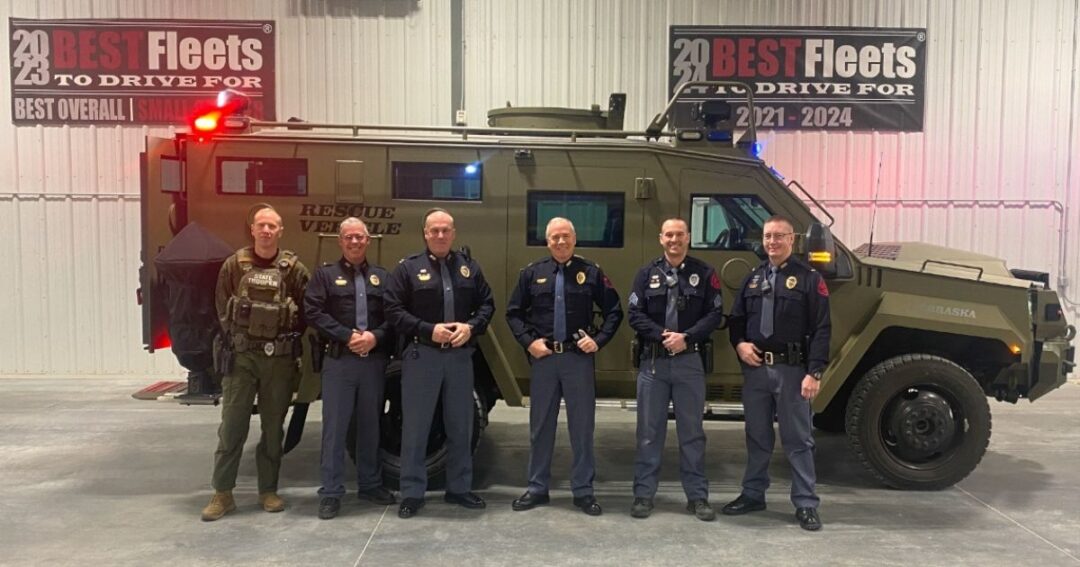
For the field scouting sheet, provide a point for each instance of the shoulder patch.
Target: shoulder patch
(714, 281)
(607, 283)
(822, 289)
(633, 298)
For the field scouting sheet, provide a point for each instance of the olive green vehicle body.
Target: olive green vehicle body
(970, 304)
(921, 334)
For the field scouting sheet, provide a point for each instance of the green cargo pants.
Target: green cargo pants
(273, 380)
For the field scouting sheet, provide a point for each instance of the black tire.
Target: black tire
(918, 422)
(390, 435)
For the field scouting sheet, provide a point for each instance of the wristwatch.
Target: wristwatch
(816, 374)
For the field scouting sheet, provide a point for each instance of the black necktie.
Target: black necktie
(448, 292)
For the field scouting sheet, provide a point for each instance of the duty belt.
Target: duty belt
(793, 356)
(657, 349)
(281, 346)
(428, 342)
(560, 347)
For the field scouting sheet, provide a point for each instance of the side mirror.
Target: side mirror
(821, 249)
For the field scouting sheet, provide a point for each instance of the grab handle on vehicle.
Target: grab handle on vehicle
(978, 277)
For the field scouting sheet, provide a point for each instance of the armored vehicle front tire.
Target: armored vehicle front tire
(918, 422)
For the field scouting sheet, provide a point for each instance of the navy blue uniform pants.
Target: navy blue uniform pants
(776, 391)
(679, 380)
(351, 385)
(562, 376)
(425, 373)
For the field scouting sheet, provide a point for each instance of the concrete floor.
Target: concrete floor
(91, 476)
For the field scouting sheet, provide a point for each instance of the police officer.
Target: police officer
(439, 301)
(550, 314)
(344, 303)
(674, 307)
(780, 330)
(259, 292)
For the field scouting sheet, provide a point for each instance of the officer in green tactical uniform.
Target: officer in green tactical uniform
(259, 291)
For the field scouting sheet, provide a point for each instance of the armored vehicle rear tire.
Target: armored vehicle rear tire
(390, 435)
(918, 422)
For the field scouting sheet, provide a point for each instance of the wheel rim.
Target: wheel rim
(922, 427)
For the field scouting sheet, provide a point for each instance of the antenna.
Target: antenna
(873, 206)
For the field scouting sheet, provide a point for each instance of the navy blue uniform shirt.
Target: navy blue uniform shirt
(800, 312)
(330, 302)
(699, 285)
(414, 297)
(531, 311)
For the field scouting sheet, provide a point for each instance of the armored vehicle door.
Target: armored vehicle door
(727, 211)
(162, 213)
(608, 220)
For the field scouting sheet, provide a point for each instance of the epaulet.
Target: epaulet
(286, 259)
(586, 261)
(694, 261)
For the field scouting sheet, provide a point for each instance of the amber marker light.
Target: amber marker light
(1015, 349)
(822, 257)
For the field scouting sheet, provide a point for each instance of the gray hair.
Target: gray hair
(352, 221)
(547, 231)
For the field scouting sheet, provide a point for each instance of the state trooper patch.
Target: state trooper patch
(633, 298)
(694, 280)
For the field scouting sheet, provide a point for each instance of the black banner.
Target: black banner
(817, 78)
(136, 71)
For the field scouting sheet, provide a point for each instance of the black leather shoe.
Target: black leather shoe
(641, 508)
(329, 507)
(701, 510)
(528, 501)
(808, 519)
(589, 505)
(742, 505)
(410, 507)
(377, 495)
(465, 500)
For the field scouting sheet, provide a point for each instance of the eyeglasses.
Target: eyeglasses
(776, 235)
(354, 237)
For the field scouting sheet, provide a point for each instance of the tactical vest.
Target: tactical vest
(261, 307)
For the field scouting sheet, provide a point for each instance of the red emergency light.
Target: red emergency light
(226, 113)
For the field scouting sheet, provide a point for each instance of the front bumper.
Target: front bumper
(1052, 366)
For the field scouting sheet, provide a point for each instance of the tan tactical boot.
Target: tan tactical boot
(221, 503)
(271, 502)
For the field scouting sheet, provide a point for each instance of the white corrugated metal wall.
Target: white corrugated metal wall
(992, 171)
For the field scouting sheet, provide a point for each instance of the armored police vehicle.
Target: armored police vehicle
(922, 335)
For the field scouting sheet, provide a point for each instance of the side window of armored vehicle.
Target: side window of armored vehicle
(170, 174)
(598, 217)
(262, 176)
(727, 222)
(437, 181)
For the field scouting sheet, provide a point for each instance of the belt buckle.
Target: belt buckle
(769, 358)
(557, 347)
